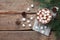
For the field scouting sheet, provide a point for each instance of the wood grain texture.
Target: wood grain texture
(10, 12)
(8, 21)
(17, 5)
(24, 35)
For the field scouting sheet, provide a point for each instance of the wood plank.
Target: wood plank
(24, 35)
(9, 21)
(17, 5)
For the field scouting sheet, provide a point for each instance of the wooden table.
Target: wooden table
(9, 30)
(10, 12)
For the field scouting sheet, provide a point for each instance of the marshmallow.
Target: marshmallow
(45, 27)
(38, 13)
(43, 13)
(40, 20)
(31, 18)
(23, 25)
(28, 9)
(49, 16)
(32, 5)
(43, 10)
(28, 21)
(48, 11)
(41, 27)
(42, 31)
(36, 27)
(37, 17)
(48, 19)
(23, 19)
(30, 25)
(44, 17)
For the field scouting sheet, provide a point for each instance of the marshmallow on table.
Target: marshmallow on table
(32, 5)
(44, 17)
(29, 25)
(28, 9)
(37, 17)
(23, 25)
(28, 21)
(31, 18)
(38, 13)
(23, 19)
(43, 10)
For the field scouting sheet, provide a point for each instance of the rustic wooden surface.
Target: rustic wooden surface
(24, 35)
(9, 16)
(17, 5)
(8, 21)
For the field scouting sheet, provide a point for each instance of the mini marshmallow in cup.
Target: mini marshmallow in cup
(42, 31)
(41, 27)
(37, 17)
(45, 27)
